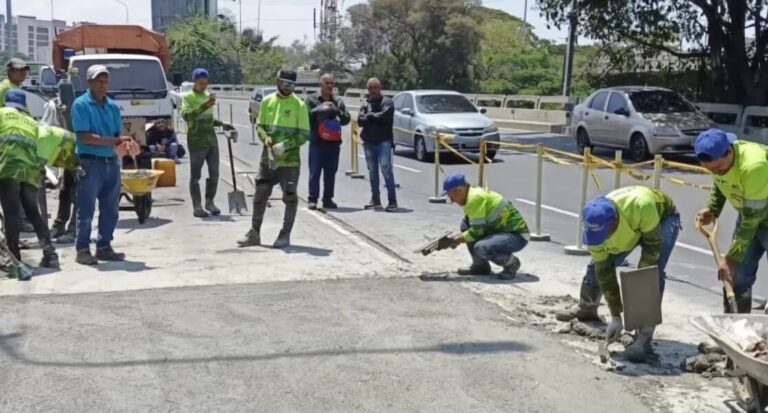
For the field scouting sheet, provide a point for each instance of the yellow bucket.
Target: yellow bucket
(139, 181)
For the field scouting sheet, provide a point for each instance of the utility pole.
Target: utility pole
(9, 46)
(525, 12)
(258, 18)
(568, 69)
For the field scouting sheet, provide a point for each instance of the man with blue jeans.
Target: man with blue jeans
(493, 228)
(614, 225)
(97, 124)
(376, 117)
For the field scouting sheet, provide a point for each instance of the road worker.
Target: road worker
(493, 228)
(740, 173)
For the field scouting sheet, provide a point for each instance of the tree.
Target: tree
(200, 42)
(650, 33)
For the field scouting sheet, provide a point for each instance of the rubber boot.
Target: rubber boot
(638, 351)
(586, 309)
(50, 260)
(743, 302)
(210, 194)
(251, 239)
(197, 204)
(283, 239)
(510, 269)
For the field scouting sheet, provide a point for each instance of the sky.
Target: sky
(289, 19)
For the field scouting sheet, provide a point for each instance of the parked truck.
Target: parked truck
(137, 59)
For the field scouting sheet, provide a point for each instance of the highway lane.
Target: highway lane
(513, 174)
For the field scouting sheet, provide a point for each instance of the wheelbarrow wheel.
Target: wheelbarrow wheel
(751, 394)
(143, 205)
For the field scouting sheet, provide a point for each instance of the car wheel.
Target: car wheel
(638, 148)
(582, 140)
(420, 149)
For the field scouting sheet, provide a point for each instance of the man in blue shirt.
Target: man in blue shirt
(97, 124)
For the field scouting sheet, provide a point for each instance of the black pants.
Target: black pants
(65, 217)
(323, 160)
(13, 193)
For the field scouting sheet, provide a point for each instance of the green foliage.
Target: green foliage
(200, 42)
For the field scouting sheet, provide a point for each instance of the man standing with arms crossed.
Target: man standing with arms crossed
(327, 114)
(376, 117)
(740, 172)
(283, 127)
(197, 110)
(97, 123)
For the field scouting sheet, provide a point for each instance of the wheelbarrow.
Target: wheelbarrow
(137, 186)
(750, 374)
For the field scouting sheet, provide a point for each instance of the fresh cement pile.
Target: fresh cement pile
(750, 336)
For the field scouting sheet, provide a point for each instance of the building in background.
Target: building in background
(166, 13)
(31, 37)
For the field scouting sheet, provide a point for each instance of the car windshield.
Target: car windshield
(444, 104)
(657, 101)
(127, 76)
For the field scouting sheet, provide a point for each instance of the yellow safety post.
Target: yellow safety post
(436, 198)
(617, 170)
(481, 173)
(579, 249)
(538, 235)
(658, 166)
(254, 141)
(354, 171)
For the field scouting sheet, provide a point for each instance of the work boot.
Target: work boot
(283, 240)
(109, 254)
(586, 309)
(638, 351)
(199, 212)
(743, 302)
(211, 207)
(329, 204)
(476, 269)
(392, 207)
(312, 206)
(50, 260)
(58, 231)
(510, 269)
(84, 257)
(252, 239)
(373, 204)
(66, 238)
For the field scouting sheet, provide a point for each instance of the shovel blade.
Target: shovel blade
(237, 201)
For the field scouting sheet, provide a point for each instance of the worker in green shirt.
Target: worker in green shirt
(17, 71)
(740, 172)
(283, 127)
(20, 177)
(493, 228)
(614, 225)
(197, 110)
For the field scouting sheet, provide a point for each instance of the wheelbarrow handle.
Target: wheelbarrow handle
(711, 236)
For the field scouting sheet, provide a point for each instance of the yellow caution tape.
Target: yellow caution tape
(684, 167)
(680, 182)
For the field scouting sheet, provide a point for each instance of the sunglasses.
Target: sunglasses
(288, 83)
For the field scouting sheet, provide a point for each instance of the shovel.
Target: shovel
(711, 236)
(236, 198)
(25, 271)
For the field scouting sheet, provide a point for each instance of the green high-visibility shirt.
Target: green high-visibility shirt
(200, 132)
(286, 121)
(745, 186)
(489, 213)
(18, 147)
(641, 210)
(56, 147)
(5, 86)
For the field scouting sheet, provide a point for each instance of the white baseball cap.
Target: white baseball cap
(96, 70)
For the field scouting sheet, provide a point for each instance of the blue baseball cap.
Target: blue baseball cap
(16, 98)
(713, 144)
(453, 180)
(199, 73)
(598, 216)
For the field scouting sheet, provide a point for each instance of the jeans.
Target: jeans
(497, 248)
(171, 151)
(379, 156)
(323, 160)
(288, 178)
(13, 194)
(197, 158)
(746, 272)
(670, 228)
(99, 180)
(66, 213)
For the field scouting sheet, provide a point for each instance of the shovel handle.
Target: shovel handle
(711, 236)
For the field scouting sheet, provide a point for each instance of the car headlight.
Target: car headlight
(665, 131)
(492, 129)
(434, 130)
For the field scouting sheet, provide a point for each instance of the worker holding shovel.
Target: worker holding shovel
(614, 225)
(740, 173)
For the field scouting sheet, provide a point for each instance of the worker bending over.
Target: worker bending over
(493, 228)
(740, 173)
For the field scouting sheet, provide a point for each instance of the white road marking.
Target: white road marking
(397, 166)
(575, 215)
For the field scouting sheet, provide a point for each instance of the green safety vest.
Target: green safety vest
(489, 213)
(18, 147)
(56, 147)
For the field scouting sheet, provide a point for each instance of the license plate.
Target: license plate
(141, 102)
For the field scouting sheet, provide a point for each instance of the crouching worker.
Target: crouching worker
(493, 228)
(614, 225)
(20, 177)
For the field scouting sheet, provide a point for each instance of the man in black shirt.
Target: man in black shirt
(376, 117)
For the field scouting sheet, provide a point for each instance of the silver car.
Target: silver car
(257, 96)
(421, 114)
(643, 120)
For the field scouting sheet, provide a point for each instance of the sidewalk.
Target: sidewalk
(174, 249)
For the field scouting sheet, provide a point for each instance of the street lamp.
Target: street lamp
(240, 15)
(126, 10)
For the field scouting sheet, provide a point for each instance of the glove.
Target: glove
(278, 150)
(614, 330)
